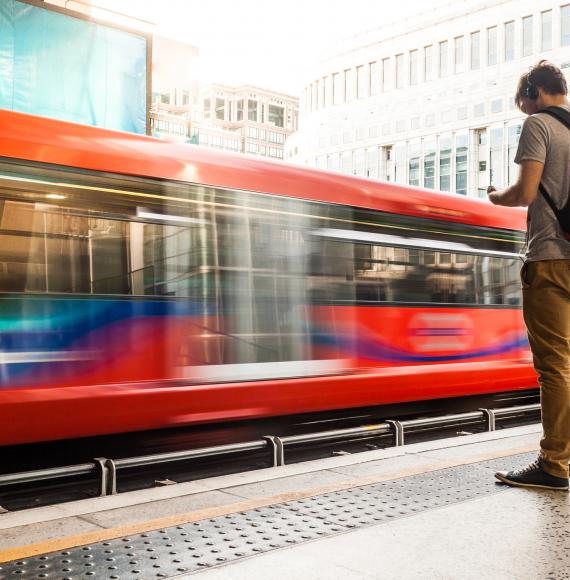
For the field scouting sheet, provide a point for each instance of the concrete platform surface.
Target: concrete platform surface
(431, 510)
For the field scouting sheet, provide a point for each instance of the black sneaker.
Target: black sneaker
(532, 476)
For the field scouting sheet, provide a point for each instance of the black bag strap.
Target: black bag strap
(562, 115)
(559, 114)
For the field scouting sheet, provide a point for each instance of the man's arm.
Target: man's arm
(524, 191)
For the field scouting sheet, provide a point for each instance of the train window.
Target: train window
(414, 275)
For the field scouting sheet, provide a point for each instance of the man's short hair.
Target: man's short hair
(543, 75)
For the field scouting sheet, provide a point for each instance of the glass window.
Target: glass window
(239, 110)
(428, 63)
(443, 58)
(413, 67)
(458, 55)
(496, 176)
(333, 162)
(527, 35)
(386, 75)
(491, 46)
(276, 115)
(372, 159)
(509, 41)
(429, 163)
(337, 89)
(414, 154)
(346, 162)
(324, 84)
(497, 106)
(565, 25)
(251, 110)
(475, 50)
(400, 165)
(461, 151)
(347, 85)
(546, 30)
(220, 109)
(360, 82)
(445, 163)
(207, 110)
(373, 78)
(360, 162)
(514, 134)
(399, 71)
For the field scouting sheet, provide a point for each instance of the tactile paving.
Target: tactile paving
(169, 552)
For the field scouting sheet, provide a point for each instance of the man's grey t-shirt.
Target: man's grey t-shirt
(547, 140)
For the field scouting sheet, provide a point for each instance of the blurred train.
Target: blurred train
(146, 284)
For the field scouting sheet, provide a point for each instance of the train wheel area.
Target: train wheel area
(353, 515)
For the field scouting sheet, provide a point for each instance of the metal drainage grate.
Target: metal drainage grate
(172, 551)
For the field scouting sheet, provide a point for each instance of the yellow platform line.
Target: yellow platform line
(68, 542)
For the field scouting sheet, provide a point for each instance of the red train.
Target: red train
(146, 285)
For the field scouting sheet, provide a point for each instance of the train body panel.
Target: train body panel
(150, 285)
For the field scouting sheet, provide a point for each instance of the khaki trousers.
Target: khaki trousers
(546, 308)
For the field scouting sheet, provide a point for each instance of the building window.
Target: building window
(373, 131)
(207, 111)
(491, 46)
(428, 63)
(360, 162)
(399, 71)
(220, 109)
(462, 113)
(514, 134)
(475, 50)
(414, 164)
(497, 106)
(509, 41)
(546, 30)
(445, 163)
(429, 164)
(372, 158)
(347, 89)
(414, 123)
(386, 76)
(430, 120)
(496, 157)
(315, 98)
(373, 78)
(239, 110)
(461, 149)
(527, 35)
(337, 89)
(413, 67)
(251, 110)
(443, 58)
(565, 25)
(400, 164)
(346, 162)
(252, 132)
(324, 83)
(458, 59)
(360, 82)
(276, 115)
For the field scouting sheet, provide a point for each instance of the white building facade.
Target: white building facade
(429, 101)
(244, 119)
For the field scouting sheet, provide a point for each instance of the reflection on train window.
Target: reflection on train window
(384, 274)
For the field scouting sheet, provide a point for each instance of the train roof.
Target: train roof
(45, 140)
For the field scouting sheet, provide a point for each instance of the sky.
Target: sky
(269, 43)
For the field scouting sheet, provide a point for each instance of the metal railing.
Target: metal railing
(106, 469)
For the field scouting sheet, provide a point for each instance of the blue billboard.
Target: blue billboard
(58, 65)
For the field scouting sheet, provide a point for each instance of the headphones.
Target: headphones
(530, 90)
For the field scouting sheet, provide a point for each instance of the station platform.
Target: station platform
(430, 510)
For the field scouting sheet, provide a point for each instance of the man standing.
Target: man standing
(544, 158)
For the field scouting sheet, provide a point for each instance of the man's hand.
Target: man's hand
(490, 191)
